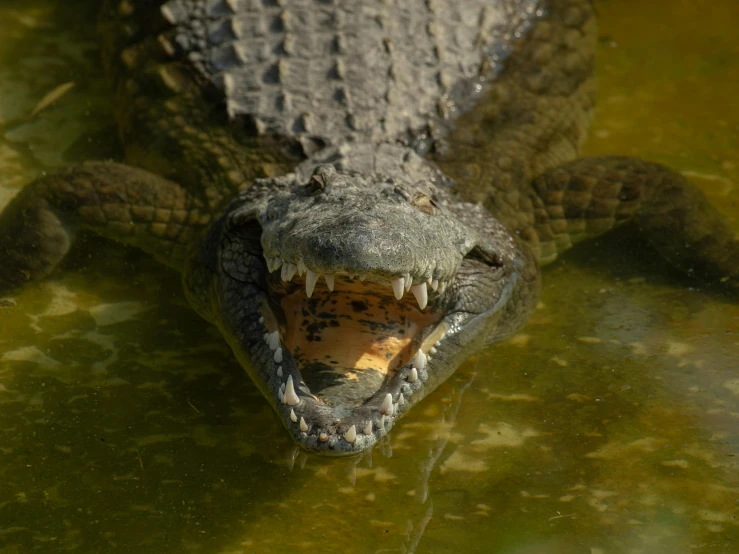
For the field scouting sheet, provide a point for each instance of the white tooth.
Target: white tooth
(303, 425)
(399, 287)
(432, 350)
(276, 263)
(408, 282)
(421, 294)
(261, 319)
(274, 340)
(362, 276)
(282, 388)
(420, 359)
(368, 428)
(288, 271)
(330, 279)
(351, 434)
(387, 405)
(401, 400)
(382, 422)
(395, 409)
(311, 278)
(413, 377)
(279, 371)
(434, 284)
(442, 287)
(281, 396)
(293, 417)
(323, 437)
(301, 267)
(266, 337)
(278, 356)
(290, 396)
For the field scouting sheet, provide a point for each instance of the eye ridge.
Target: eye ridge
(424, 203)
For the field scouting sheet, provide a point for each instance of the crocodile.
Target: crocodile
(359, 195)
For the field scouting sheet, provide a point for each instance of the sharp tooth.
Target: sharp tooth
(387, 405)
(421, 294)
(401, 400)
(399, 287)
(434, 284)
(261, 319)
(266, 337)
(442, 287)
(382, 422)
(362, 276)
(288, 272)
(282, 388)
(278, 356)
(433, 350)
(395, 409)
(311, 278)
(301, 267)
(408, 282)
(279, 371)
(420, 359)
(276, 263)
(368, 428)
(293, 417)
(281, 396)
(323, 437)
(303, 425)
(351, 434)
(413, 377)
(274, 340)
(329, 280)
(290, 396)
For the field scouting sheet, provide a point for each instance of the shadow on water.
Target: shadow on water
(609, 424)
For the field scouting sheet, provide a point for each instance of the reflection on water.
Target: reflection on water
(609, 424)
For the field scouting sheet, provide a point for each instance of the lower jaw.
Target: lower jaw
(341, 428)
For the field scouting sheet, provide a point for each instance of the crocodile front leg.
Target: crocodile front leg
(590, 196)
(117, 201)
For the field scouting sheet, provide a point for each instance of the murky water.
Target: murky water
(610, 424)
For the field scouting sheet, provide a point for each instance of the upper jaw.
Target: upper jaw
(399, 284)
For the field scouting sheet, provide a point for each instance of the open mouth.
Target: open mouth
(349, 299)
(348, 345)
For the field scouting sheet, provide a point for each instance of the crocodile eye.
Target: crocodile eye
(424, 203)
(320, 178)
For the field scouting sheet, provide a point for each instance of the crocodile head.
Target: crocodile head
(348, 299)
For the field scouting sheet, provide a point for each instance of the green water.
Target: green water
(610, 424)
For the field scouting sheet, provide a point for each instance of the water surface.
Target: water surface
(609, 424)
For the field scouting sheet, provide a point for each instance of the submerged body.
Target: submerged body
(303, 167)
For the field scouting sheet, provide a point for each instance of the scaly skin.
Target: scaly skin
(277, 144)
